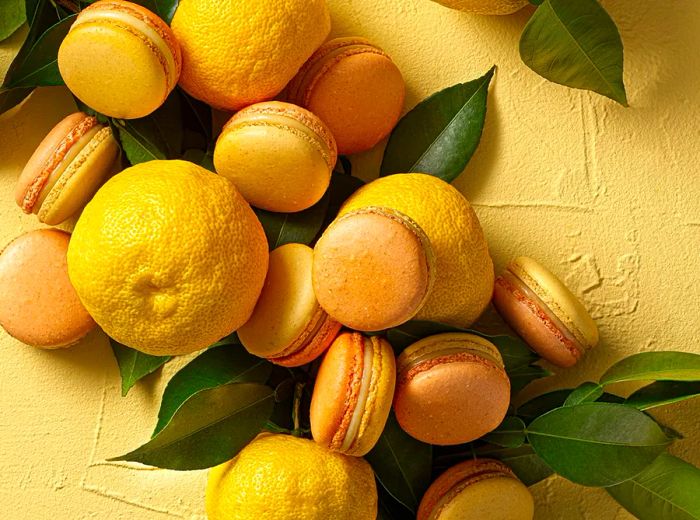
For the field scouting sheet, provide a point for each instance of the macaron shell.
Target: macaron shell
(38, 305)
(321, 339)
(373, 269)
(81, 179)
(560, 300)
(452, 399)
(432, 346)
(496, 498)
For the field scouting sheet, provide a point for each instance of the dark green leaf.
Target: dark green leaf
(575, 44)
(524, 462)
(655, 366)
(662, 393)
(134, 365)
(669, 489)
(12, 16)
(584, 393)
(300, 228)
(390, 508)
(197, 124)
(402, 464)
(10, 98)
(522, 376)
(163, 8)
(440, 135)
(39, 67)
(340, 189)
(509, 434)
(597, 444)
(216, 366)
(540, 405)
(211, 427)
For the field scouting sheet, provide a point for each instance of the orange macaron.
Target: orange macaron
(38, 305)
(355, 88)
(478, 489)
(353, 393)
(288, 326)
(67, 168)
(451, 388)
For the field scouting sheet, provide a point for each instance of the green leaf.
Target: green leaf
(522, 376)
(300, 228)
(509, 434)
(585, 393)
(40, 65)
(134, 365)
(575, 44)
(524, 462)
(12, 97)
(440, 135)
(540, 405)
(662, 393)
(655, 366)
(163, 8)
(402, 464)
(211, 427)
(669, 489)
(597, 444)
(12, 16)
(214, 367)
(389, 507)
(341, 187)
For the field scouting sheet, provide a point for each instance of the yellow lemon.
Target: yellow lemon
(168, 257)
(464, 270)
(239, 52)
(280, 477)
(485, 6)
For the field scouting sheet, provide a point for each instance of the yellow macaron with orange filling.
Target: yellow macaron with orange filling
(353, 393)
(288, 326)
(544, 312)
(67, 168)
(279, 156)
(478, 489)
(451, 388)
(120, 59)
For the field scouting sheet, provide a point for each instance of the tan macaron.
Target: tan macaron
(373, 269)
(544, 312)
(288, 326)
(38, 305)
(451, 388)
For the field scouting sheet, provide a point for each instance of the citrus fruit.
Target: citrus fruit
(464, 271)
(239, 52)
(168, 257)
(280, 477)
(485, 6)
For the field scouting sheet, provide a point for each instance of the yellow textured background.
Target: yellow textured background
(608, 197)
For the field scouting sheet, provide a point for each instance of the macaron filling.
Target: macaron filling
(360, 405)
(318, 331)
(522, 292)
(448, 348)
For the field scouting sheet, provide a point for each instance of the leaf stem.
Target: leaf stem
(298, 393)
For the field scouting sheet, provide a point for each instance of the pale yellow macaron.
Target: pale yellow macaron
(120, 59)
(544, 312)
(288, 326)
(279, 156)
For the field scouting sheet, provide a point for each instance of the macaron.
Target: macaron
(373, 269)
(353, 393)
(451, 388)
(541, 309)
(478, 489)
(355, 88)
(120, 59)
(66, 169)
(38, 305)
(288, 326)
(280, 156)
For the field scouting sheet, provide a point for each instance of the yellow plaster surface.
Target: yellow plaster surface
(608, 197)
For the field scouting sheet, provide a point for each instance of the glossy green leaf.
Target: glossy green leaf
(522, 376)
(509, 434)
(540, 405)
(163, 8)
(134, 365)
(216, 366)
(12, 97)
(342, 186)
(597, 444)
(12, 16)
(575, 44)
(585, 393)
(524, 462)
(669, 489)
(655, 366)
(402, 464)
(300, 228)
(440, 135)
(662, 393)
(211, 427)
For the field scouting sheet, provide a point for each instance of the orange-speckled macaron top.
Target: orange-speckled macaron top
(373, 269)
(38, 305)
(353, 393)
(48, 156)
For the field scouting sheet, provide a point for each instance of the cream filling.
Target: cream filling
(354, 426)
(138, 25)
